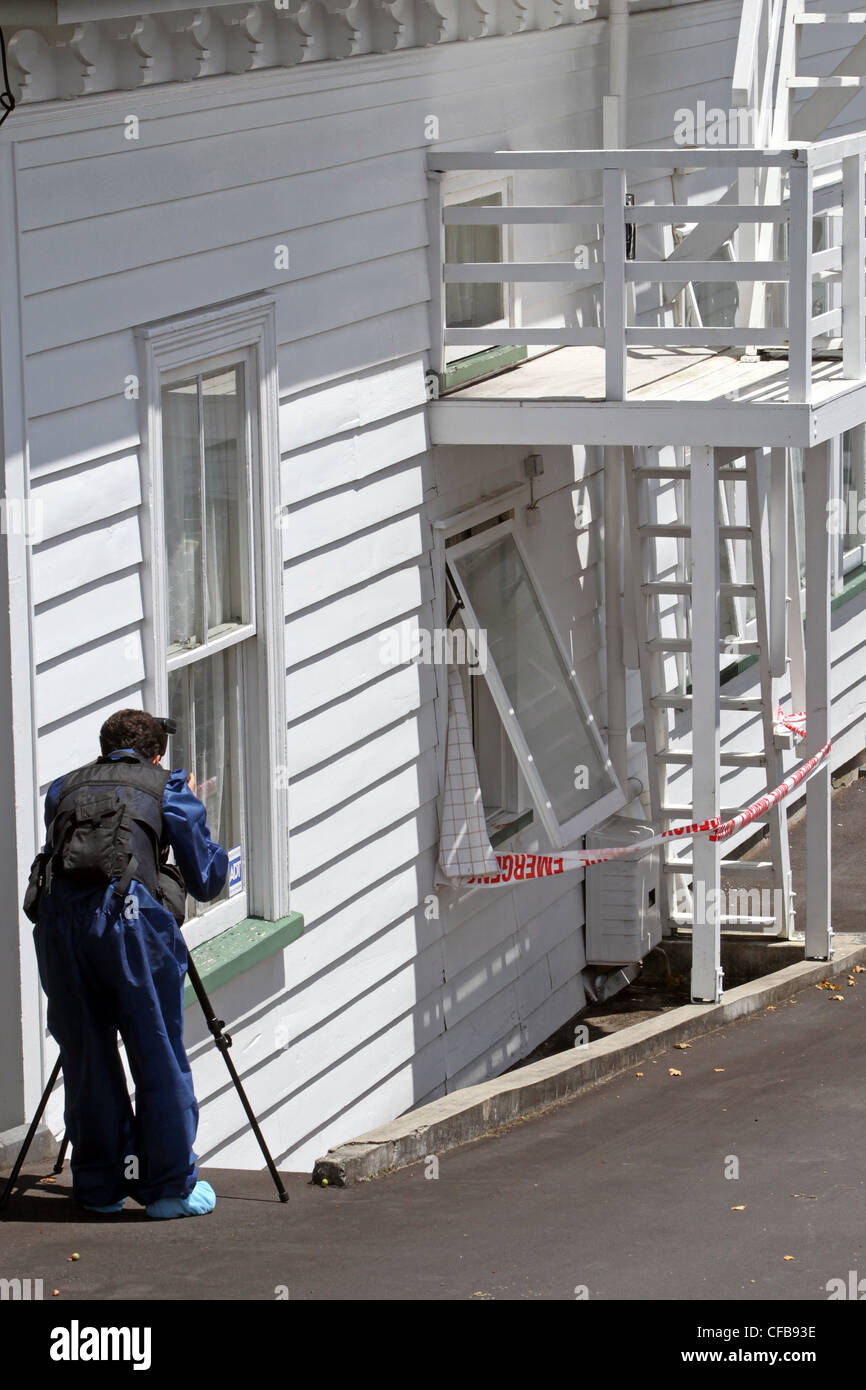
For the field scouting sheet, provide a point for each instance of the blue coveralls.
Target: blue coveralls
(110, 966)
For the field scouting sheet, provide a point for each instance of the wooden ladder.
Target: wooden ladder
(661, 532)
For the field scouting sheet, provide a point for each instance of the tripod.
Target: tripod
(223, 1042)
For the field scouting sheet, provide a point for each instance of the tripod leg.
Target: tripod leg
(223, 1042)
(28, 1138)
(58, 1167)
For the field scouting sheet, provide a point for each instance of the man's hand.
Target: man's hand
(190, 782)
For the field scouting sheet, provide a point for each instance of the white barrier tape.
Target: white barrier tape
(519, 867)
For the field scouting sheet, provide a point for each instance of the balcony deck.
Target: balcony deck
(675, 395)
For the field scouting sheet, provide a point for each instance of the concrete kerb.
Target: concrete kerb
(475, 1111)
(44, 1146)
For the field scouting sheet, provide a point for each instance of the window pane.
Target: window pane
(182, 490)
(204, 699)
(468, 305)
(544, 699)
(225, 457)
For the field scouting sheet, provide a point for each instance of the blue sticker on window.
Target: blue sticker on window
(236, 872)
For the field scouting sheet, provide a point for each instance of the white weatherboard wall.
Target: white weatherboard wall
(375, 1008)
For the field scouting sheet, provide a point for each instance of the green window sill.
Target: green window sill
(480, 364)
(514, 827)
(853, 584)
(240, 948)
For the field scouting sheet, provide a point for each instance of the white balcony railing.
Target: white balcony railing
(613, 272)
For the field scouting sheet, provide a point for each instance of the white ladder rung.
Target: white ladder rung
(722, 470)
(674, 531)
(854, 17)
(763, 868)
(684, 644)
(805, 84)
(737, 702)
(687, 813)
(726, 759)
(669, 586)
(684, 919)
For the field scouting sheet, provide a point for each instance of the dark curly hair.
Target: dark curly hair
(133, 728)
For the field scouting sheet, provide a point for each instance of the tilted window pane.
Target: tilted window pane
(181, 449)
(225, 456)
(530, 665)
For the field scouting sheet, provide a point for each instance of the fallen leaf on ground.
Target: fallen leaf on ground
(787, 1257)
(738, 1208)
(638, 1073)
(810, 1196)
(672, 1071)
(718, 1069)
(771, 1008)
(837, 996)
(682, 1046)
(858, 969)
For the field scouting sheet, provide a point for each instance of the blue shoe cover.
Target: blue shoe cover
(113, 1206)
(200, 1201)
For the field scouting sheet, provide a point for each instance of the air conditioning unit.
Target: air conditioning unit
(622, 915)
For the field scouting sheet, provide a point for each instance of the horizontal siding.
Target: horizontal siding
(352, 772)
(104, 669)
(364, 405)
(366, 608)
(322, 576)
(327, 520)
(77, 499)
(393, 994)
(68, 623)
(85, 558)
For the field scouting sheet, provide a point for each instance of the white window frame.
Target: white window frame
(560, 836)
(853, 558)
(463, 189)
(186, 346)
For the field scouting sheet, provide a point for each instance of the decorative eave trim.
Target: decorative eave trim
(147, 49)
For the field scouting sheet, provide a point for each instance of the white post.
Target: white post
(617, 717)
(614, 284)
(796, 640)
(819, 934)
(800, 286)
(853, 258)
(778, 563)
(706, 928)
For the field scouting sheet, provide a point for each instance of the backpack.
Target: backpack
(107, 827)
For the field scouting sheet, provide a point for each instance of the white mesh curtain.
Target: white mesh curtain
(464, 845)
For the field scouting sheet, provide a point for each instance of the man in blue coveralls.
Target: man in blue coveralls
(115, 962)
